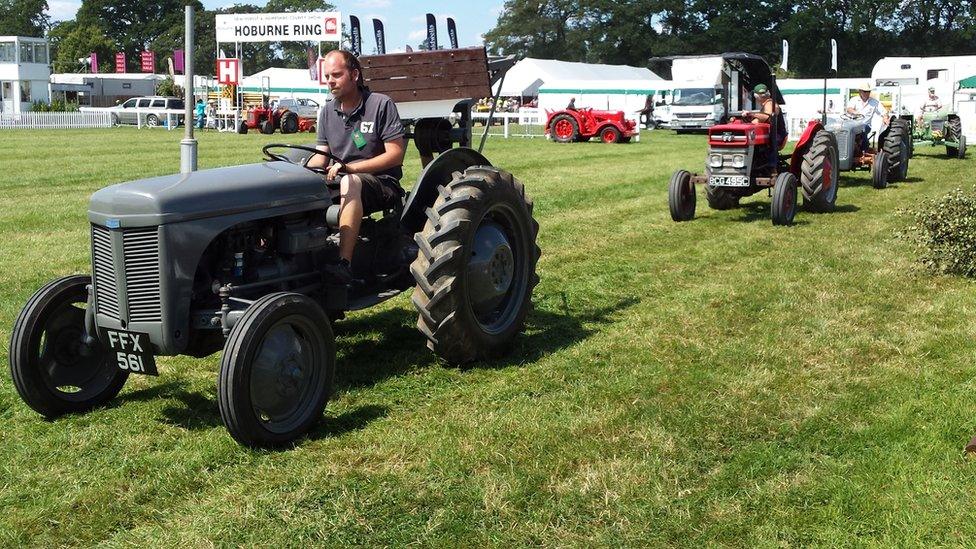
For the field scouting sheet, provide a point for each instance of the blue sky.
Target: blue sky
(403, 20)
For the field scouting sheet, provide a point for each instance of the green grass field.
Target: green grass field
(719, 382)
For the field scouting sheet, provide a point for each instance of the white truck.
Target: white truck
(696, 99)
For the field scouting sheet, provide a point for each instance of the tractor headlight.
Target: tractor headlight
(715, 160)
(739, 161)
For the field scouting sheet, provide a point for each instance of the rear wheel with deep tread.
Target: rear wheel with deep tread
(276, 370)
(879, 170)
(898, 149)
(783, 207)
(720, 198)
(953, 132)
(681, 196)
(818, 173)
(564, 129)
(53, 370)
(289, 122)
(475, 268)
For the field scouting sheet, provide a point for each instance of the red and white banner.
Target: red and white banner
(228, 71)
(120, 62)
(148, 61)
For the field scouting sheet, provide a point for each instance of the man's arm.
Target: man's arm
(318, 160)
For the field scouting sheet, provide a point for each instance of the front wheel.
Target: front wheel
(276, 370)
(958, 151)
(610, 135)
(681, 196)
(879, 170)
(783, 207)
(242, 128)
(475, 268)
(55, 370)
(267, 127)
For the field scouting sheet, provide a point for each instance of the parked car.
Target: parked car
(152, 110)
(306, 108)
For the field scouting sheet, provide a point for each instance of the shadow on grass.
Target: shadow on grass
(759, 211)
(401, 347)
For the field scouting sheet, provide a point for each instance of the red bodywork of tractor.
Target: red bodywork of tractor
(581, 124)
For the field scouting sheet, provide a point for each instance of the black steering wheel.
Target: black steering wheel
(282, 158)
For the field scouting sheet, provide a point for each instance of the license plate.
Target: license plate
(692, 123)
(728, 181)
(131, 351)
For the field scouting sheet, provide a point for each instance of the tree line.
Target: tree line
(632, 32)
(132, 26)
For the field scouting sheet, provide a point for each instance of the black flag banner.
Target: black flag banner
(452, 33)
(355, 36)
(431, 32)
(380, 37)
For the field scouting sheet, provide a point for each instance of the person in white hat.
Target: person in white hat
(874, 113)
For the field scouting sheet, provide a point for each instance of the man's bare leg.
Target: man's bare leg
(350, 214)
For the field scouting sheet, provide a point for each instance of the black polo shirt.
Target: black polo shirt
(376, 119)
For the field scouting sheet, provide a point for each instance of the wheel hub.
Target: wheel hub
(491, 268)
(278, 379)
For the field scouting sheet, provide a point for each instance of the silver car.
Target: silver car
(152, 110)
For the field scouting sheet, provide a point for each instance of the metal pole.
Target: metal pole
(188, 147)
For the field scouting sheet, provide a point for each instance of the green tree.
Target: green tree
(72, 41)
(23, 17)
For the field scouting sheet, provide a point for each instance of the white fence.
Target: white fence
(56, 120)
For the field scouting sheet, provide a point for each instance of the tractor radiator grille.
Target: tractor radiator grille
(106, 292)
(141, 249)
(842, 145)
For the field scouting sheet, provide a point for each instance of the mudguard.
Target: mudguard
(796, 159)
(438, 172)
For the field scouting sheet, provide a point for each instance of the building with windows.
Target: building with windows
(25, 70)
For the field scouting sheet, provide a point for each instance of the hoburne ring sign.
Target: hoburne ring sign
(279, 27)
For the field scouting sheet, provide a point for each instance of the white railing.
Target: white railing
(56, 120)
(527, 122)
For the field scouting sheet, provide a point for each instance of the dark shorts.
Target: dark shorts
(380, 193)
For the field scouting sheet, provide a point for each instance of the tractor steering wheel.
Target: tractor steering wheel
(282, 158)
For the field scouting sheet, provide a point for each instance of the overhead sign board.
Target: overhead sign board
(279, 27)
(228, 71)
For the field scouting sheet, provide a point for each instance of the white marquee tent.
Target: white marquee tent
(528, 75)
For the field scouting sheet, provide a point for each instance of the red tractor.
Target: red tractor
(569, 125)
(743, 157)
(268, 120)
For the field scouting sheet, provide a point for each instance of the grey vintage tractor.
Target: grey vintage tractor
(236, 258)
(887, 159)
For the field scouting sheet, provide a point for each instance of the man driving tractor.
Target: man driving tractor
(767, 107)
(870, 109)
(363, 128)
(931, 104)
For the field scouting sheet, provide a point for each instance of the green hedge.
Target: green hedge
(943, 231)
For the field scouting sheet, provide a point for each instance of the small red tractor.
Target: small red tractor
(290, 116)
(568, 125)
(743, 157)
